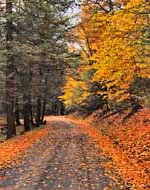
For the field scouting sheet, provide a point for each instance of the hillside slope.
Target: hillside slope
(126, 138)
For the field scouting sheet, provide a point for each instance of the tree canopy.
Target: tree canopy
(113, 40)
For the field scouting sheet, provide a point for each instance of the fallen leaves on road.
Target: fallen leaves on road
(127, 144)
(11, 151)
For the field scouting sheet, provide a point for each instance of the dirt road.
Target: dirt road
(66, 159)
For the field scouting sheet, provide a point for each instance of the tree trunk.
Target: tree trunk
(26, 112)
(58, 108)
(17, 113)
(11, 131)
(43, 111)
(62, 109)
(11, 127)
(31, 112)
(38, 112)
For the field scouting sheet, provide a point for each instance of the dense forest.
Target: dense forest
(75, 82)
(33, 57)
(102, 54)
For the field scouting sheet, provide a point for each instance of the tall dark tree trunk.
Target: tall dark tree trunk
(31, 112)
(31, 115)
(43, 110)
(17, 113)
(59, 108)
(11, 127)
(38, 112)
(10, 93)
(44, 100)
(26, 112)
(62, 109)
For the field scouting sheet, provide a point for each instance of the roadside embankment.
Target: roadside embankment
(126, 138)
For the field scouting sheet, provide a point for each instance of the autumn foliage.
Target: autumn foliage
(127, 143)
(113, 40)
(13, 151)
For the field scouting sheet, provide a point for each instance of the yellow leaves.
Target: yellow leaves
(115, 58)
(74, 92)
(113, 46)
(136, 4)
(144, 71)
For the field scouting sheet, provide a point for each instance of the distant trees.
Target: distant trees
(10, 71)
(33, 53)
(113, 39)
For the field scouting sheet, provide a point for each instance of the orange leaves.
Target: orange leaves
(127, 144)
(12, 151)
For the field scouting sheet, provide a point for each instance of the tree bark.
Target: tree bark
(43, 111)
(17, 113)
(26, 111)
(38, 112)
(10, 92)
(31, 112)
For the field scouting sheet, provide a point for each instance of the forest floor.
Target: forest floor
(60, 156)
